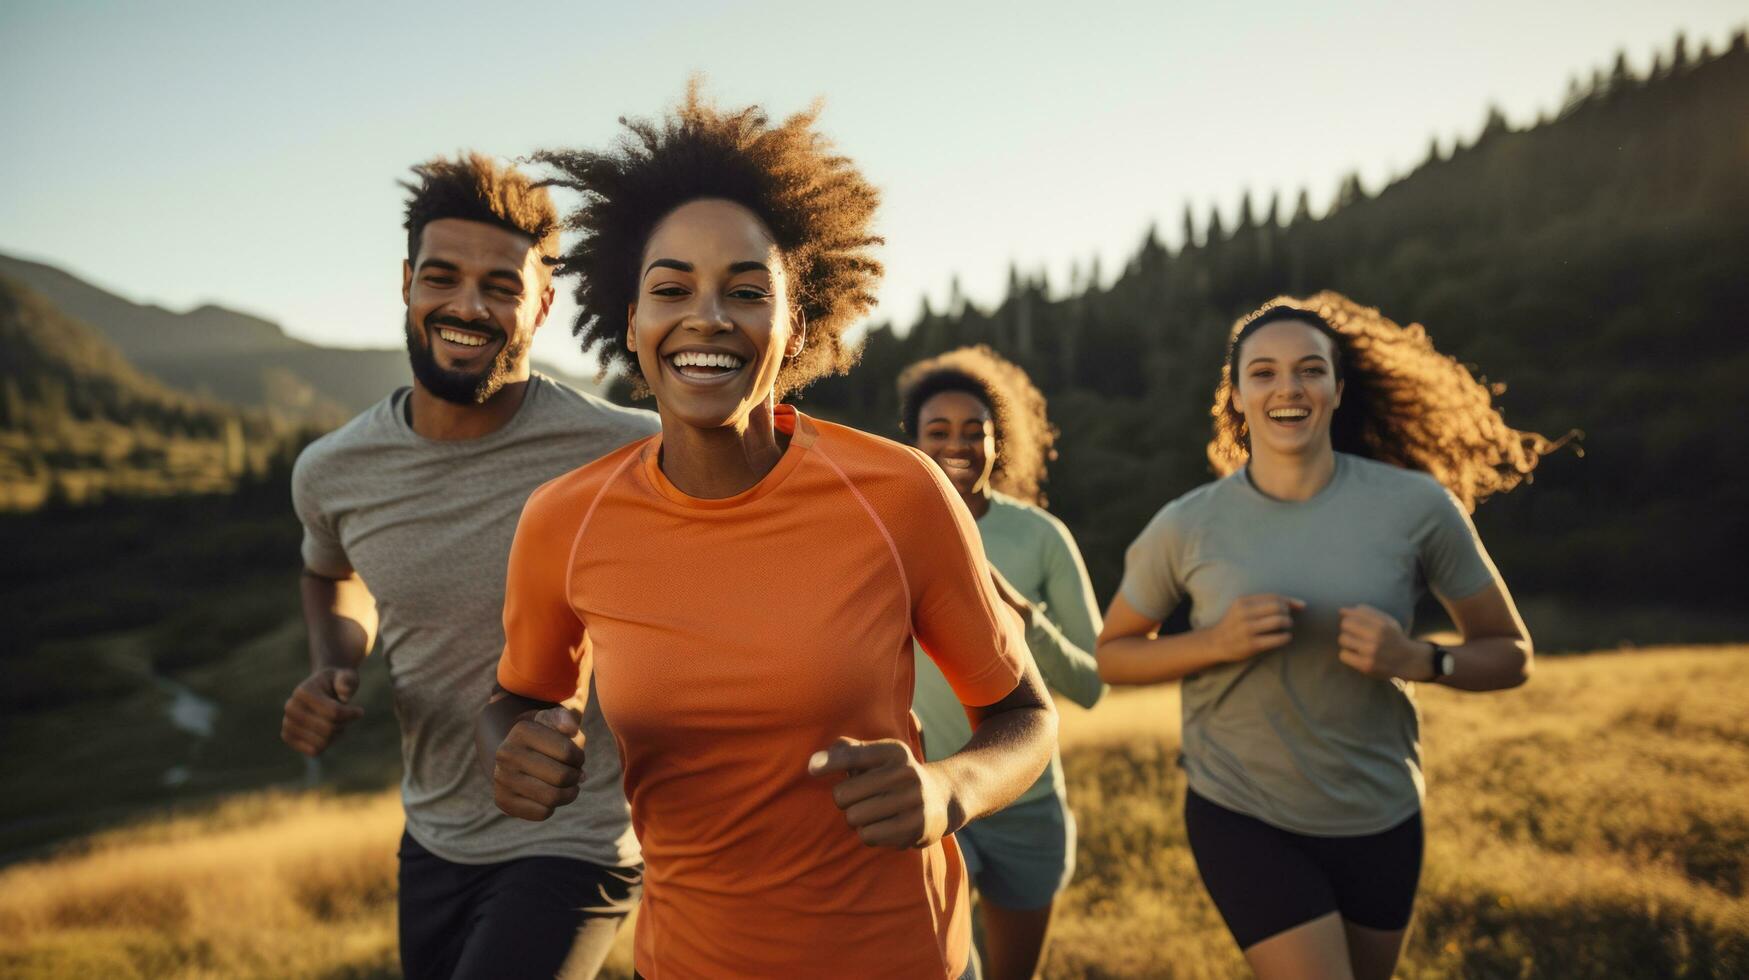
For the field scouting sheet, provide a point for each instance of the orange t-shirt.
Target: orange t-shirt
(730, 640)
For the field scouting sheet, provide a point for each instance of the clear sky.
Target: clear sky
(247, 153)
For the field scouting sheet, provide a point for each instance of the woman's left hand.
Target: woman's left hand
(889, 797)
(1374, 644)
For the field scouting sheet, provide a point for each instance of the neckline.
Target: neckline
(398, 408)
(1336, 477)
(785, 418)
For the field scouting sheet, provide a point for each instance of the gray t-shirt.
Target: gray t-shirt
(427, 524)
(1294, 737)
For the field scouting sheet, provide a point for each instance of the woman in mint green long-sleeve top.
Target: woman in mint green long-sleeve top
(983, 422)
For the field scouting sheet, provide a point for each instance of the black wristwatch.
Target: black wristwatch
(1442, 662)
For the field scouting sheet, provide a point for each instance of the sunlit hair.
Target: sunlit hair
(474, 187)
(1403, 402)
(1025, 439)
(817, 206)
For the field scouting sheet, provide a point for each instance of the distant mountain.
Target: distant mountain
(78, 422)
(231, 356)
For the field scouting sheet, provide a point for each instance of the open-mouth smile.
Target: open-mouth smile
(706, 366)
(463, 343)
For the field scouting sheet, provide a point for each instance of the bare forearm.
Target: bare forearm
(1490, 664)
(1005, 756)
(341, 617)
(499, 715)
(1157, 659)
(1012, 741)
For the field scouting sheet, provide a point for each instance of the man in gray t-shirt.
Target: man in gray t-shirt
(408, 514)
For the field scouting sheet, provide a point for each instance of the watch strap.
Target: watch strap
(1441, 661)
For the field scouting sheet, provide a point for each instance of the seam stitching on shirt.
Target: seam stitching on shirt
(583, 525)
(880, 525)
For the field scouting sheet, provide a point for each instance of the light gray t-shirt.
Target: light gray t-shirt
(427, 524)
(1294, 737)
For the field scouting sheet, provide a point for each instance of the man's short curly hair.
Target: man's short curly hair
(474, 187)
(1025, 438)
(1403, 402)
(817, 206)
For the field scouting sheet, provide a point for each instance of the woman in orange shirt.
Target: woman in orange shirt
(742, 590)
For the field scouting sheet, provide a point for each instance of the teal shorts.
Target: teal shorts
(1019, 858)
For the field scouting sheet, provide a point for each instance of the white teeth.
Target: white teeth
(1289, 414)
(702, 359)
(466, 340)
(958, 464)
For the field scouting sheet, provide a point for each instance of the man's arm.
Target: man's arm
(341, 617)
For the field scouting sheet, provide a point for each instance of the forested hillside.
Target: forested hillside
(1594, 262)
(78, 423)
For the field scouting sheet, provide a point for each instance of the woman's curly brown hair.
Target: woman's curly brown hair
(1403, 402)
(817, 206)
(1025, 438)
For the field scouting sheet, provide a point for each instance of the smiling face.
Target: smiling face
(956, 430)
(711, 323)
(475, 294)
(1287, 389)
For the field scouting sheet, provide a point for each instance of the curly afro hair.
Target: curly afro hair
(817, 206)
(474, 187)
(1025, 438)
(1403, 402)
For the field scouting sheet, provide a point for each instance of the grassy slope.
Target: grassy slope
(1591, 824)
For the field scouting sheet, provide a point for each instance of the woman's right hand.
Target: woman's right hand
(538, 767)
(1254, 624)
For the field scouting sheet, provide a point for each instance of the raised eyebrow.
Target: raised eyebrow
(674, 264)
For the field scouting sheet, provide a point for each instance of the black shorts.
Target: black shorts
(1265, 880)
(512, 919)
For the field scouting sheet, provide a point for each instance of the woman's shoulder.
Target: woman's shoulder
(1028, 517)
(866, 456)
(1395, 482)
(1193, 503)
(579, 487)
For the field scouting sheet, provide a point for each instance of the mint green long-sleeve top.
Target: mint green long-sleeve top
(1035, 552)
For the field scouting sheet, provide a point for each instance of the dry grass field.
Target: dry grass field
(1592, 824)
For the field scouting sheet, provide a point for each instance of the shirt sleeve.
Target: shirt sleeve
(545, 644)
(322, 551)
(1061, 638)
(1452, 557)
(976, 641)
(1151, 582)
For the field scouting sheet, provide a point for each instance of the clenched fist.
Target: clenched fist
(889, 797)
(1255, 624)
(539, 764)
(1374, 643)
(318, 710)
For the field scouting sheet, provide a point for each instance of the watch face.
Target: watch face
(1445, 663)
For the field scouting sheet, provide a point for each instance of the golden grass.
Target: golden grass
(1592, 824)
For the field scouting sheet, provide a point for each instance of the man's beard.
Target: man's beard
(461, 387)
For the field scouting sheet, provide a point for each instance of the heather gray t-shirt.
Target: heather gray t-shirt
(427, 524)
(1294, 737)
